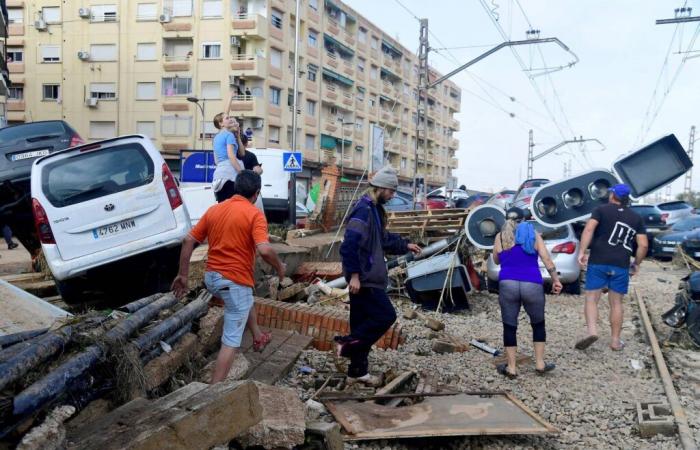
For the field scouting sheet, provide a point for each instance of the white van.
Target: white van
(108, 211)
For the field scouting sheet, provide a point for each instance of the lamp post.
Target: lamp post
(195, 100)
(342, 143)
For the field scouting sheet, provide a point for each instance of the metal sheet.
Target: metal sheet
(454, 415)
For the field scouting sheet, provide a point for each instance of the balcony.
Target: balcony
(348, 38)
(15, 105)
(248, 66)
(332, 59)
(250, 26)
(248, 106)
(454, 124)
(453, 143)
(333, 27)
(176, 104)
(313, 16)
(330, 124)
(454, 162)
(347, 98)
(178, 27)
(330, 92)
(176, 63)
(348, 68)
(15, 67)
(310, 121)
(388, 88)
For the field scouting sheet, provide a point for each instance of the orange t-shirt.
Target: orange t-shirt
(233, 228)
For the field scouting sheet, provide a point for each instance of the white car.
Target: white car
(108, 213)
(675, 211)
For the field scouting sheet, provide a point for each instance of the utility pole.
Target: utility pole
(421, 104)
(532, 158)
(293, 175)
(688, 188)
(681, 15)
(530, 154)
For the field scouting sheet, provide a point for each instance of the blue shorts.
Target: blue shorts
(237, 299)
(599, 276)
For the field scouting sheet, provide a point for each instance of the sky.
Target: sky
(620, 92)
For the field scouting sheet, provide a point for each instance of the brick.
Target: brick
(655, 417)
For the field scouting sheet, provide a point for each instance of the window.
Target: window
(145, 91)
(148, 129)
(361, 65)
(362, 35)
(103, 13)
(51, 92)
(146, 51)
(15, 15)
(312, 72)
(209, 130)
(176, 125)
(373, 72)
(359, 123)
(404, 163)
(176, 86)
(212, 8)
(51, 14)
(313, 4)
(16, 93)
(103, 52)
(211, 90)
(374, 43)
(178, 8)
(275, 96)
(275, 58)
(360, 94)
(311, 108)
(50, 53)
(211, 50)
(147, 11)
(274, 134)
(276, 18)
(310, 142)
(15, 54)
(313, 38)
(103, 91)
(103, 130)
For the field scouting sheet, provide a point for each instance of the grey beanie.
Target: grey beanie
(385, 178)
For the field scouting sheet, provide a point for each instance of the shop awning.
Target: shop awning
(342, 48)
(327, 141)
(391, 47)
(390, 74)
(386, 99)
(337, 77)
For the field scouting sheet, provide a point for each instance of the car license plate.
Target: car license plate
(668, 249)
(30, 155)
(115, 228)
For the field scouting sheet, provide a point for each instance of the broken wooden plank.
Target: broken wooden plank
(164, 366)
(395, 385)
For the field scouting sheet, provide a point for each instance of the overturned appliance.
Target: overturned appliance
(686, 311)
(427, 281)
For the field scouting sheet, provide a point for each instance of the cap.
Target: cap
(621, 190)
(385, 177)
(515, 213)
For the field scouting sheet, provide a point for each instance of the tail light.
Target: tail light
(664, 217)
(171, 187)
(41, 222)
(76, 140)
(567, 247)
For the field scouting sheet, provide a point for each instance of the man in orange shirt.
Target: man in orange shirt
(234, 228)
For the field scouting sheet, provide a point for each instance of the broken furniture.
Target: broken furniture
(426, 280)
(427, 225)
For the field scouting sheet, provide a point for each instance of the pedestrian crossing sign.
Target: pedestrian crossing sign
(292, 161)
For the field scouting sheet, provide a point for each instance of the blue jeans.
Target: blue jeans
(237, 299)
(599, 276)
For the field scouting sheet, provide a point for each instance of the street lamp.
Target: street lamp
(342, 143)
(195, 100)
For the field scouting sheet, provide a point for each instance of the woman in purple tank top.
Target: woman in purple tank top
(517, 248)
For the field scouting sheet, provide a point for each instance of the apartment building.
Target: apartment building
(4, 74)
(113, 67)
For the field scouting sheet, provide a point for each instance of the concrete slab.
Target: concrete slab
(22, 311)
(14, 261)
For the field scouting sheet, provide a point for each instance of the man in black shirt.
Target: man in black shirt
(610, 232)
(250, 161)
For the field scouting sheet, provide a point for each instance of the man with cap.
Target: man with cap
(611, 233)
(364, 245)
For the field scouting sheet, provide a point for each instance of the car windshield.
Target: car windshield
(674, 206)
(549, 233)
(31, 131)
(527, 192)
(645, 209)
(687, 224)
(90, 175)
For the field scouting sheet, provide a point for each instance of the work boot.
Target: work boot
(366, 379)
(12, 245)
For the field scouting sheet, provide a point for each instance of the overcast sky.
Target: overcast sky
(604, 96)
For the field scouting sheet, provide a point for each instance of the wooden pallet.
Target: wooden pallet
(427, 225)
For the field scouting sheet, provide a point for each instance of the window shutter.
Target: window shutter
(211, 90)
(146, 91)
(212, 8)
(146, 51)
(102, 130)
(50, 51)
(146, 11)
(146, 128)
(103, 52)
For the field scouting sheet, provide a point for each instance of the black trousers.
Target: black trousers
(371, 315)
(226, 191)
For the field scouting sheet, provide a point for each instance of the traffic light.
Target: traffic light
(483, 223)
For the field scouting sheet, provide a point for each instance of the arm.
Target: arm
(228, 105)
(179, 286)
(586, 239)
(394, 244)
(548, 263)
(497, 249)
(642, 247)
(232, 157)
(258, 169)
(269, 255)
(356, 232)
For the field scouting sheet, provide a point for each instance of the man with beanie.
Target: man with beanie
(364, 244)
(611, 233)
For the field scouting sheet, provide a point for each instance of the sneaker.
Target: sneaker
(366, 379)
(12, 245)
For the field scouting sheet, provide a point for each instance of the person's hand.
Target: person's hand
(354, 284)
(582, 259)
(179, 286)
(634, 269)
(415, 249)
(557, 287)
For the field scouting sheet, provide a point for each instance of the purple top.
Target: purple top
(519, 266)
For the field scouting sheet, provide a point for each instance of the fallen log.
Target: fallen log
(35, 354)
(140, 303)
(15, 338)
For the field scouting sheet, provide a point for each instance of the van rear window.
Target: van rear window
(94, 174)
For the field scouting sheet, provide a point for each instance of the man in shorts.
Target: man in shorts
(235, 229)
(611, 233)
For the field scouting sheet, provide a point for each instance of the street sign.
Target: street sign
(292, 161)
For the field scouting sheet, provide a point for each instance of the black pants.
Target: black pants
(512, 295)
(371, 315)
(226, 191)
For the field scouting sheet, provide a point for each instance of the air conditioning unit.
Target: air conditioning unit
(164, 18)
(84, 13)
(235, 41)
(83, 56)
(40, 25)
(257, 123)
(91, 102)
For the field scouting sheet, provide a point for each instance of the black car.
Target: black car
(691, 244)
(20, 145)
(665, 243)
(654, 222)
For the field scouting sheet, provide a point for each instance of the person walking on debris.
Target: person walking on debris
(228, 166)
(610, 233)
(362, 251)
(516, 249)
(235, 229)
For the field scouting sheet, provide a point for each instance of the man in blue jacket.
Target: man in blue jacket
(365, 242)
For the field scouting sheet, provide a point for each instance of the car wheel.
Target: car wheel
(72, 291)
(572, 288)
